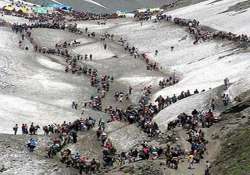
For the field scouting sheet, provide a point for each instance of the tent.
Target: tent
(155, 10)
(9, 8)
(24, 10)
(42, 10)
(141, 10)
(60, 6)
(65, 7)
(120, 14)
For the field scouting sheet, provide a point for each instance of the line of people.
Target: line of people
(75, 65)
(81, 162)
(32, 130)
(63, 134)
(164, 102)
(201, 33)
(168, 81)
(133, 51)
(140, 114)
(194, 125)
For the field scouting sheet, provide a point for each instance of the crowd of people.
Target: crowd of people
(66, 133)
(164, 102)
(119, 96)
(109, 151)
(63, 134)
(144, 151)
(201, 33)
(75, 64)
(58, 14)
(81, 162)
(142, 114)
(68, 44)
(168, 81)
(194, 124)
(133, 51)
(194, 27)
(32, 130)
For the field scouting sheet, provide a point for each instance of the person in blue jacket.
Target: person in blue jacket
(32, 143)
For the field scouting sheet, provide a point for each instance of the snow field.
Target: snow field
(201, 66)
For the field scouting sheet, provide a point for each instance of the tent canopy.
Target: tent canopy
(142, 10)
(42, 10)
(9, 8)
(24, 10)
(155, 9)
(60, 6)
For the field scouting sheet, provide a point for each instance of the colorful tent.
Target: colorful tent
(9, 8)
(60, 6)
(42, 10)
(24, 10)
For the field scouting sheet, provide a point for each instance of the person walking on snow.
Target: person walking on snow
(130, 90)
(190, 161)
(32, 143)
(207, 170)
(156, 52)
(226, 99)
(213, 104)
(226, 83)
(172, 48)
(15, 128)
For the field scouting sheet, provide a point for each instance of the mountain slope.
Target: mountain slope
(107, 6)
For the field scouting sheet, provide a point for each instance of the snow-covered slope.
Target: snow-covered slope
(201, 66)
(222, 15)
(35, 88)
(14, 19)
(96, 49)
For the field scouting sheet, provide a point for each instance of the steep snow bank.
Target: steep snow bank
(201, 66)
(50, 64)
(213, 13)
(186, 105)
(35, 88)
(240, 86)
